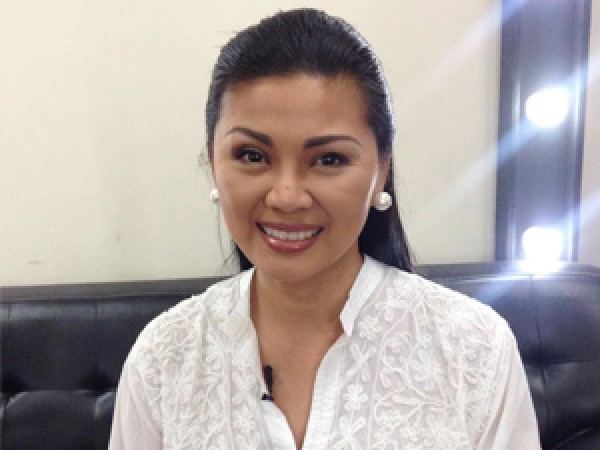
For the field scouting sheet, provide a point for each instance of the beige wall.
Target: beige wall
(590, 190)
(101, 129)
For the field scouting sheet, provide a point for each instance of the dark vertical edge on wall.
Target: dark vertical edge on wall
(580, 78)
(509, 116)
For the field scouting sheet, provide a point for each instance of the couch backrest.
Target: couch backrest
(62, 349)
(556, 320)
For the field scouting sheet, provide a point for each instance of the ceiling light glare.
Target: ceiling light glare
(547, 107)
(543, 248)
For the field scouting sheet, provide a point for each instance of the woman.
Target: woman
(320, 343)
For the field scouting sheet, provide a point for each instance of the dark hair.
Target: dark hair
(313, 42)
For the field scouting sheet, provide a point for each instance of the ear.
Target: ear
(384, 172)
(211, 162)
(209, 152)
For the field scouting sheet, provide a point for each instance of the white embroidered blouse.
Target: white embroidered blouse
(417, 366)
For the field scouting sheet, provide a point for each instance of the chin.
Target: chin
(285, 273)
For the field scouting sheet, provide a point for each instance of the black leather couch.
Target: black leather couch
(62, 348)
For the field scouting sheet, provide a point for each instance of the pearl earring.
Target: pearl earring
(383, 201)
(214, 195)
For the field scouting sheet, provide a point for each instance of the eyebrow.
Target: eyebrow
(261, 137)
(309, 143)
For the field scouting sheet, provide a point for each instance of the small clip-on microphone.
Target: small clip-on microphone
(268, 376)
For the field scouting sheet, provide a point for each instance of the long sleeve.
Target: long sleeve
(512, 422)
(133, 425)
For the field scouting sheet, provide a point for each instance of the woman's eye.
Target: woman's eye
(331, 160)
(249, 155)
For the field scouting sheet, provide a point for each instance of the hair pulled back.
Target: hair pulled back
(313, 42)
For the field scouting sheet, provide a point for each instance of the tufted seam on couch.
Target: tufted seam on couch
(573, 438)
(3, 400)
(96, 371)
(533, 297)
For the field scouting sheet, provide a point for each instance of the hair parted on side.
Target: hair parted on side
(313, 42)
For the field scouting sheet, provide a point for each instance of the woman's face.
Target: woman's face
(296, 166)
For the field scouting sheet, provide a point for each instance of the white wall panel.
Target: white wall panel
(101, 129)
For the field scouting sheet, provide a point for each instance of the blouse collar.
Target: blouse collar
(368, 278)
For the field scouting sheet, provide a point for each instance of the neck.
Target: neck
(310, 305)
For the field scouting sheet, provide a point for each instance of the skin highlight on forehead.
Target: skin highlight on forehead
(327, 107)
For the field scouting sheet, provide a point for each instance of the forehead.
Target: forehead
(312, 102)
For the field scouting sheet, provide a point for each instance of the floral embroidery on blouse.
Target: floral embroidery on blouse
(418, 372)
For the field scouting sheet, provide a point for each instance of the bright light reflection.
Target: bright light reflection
(547, 107)
(543, 248)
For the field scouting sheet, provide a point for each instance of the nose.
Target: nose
(288, 193)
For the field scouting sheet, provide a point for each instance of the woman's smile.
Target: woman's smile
(289, 238)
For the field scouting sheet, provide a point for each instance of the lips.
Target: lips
(289, 237)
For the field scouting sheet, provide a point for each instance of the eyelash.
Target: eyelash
(340, 160)
(244, 154)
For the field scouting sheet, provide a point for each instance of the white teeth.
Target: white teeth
(290, 235)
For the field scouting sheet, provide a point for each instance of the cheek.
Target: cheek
(240, 199)
(350, 200)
